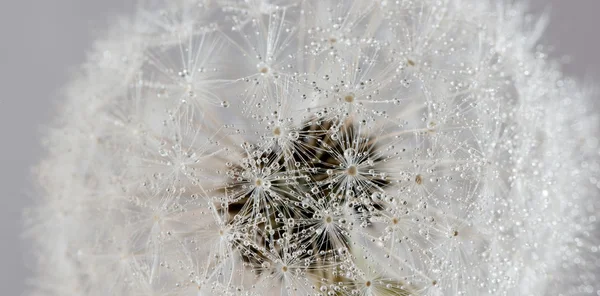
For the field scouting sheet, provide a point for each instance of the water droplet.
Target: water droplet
(163, 152)
(266, 184)
(294, 135)
(405, 83)
(349, 153)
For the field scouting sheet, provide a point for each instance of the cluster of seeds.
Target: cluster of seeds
(301, 200)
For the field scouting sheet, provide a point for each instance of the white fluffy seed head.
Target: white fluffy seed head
(320, 147)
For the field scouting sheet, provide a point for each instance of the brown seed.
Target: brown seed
(352, 171)
(368, 283)
(277, 131)
(411, 63)
(419, 179)
(349, 98)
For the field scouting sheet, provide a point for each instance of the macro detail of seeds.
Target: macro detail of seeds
(320, 147)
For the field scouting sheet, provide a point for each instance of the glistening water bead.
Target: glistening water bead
(320, 147)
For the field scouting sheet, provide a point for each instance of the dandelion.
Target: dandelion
(304, 147)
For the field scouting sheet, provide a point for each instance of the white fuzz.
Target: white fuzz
(321, 147)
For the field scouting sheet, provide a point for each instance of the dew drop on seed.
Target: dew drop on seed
(349, 153)
(294, 135)
(162, 152)
(266, 184)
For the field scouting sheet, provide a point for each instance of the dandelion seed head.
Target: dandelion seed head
(284, 147)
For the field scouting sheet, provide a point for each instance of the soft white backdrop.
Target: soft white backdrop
(42, 42)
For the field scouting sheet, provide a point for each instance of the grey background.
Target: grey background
(43, 41)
